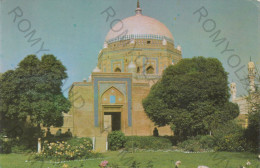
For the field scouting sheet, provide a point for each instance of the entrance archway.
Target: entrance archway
(112, 101)
(112, 121)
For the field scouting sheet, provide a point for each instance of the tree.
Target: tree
(33, 91)
(253, 129)
(192, 96)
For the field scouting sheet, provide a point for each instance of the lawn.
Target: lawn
(157, 159)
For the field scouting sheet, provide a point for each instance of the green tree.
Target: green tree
(253, 129)
(33, 91)
(192, 96)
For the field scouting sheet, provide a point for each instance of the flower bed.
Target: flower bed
(76, 148)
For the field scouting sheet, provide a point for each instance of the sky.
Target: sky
(74, 31)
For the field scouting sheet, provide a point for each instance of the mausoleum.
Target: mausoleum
(131, 61)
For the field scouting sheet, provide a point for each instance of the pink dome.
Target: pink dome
(139, 25)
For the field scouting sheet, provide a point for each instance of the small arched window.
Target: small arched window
(117, 70)
(150, 70)
(138, 70)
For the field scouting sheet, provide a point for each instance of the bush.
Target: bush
(174, 139)
(198, 143)
(191, 145)
(20, 149)
(5, 144)
(116, 140)
(21, 136)
(5, 147)
(75, 148)
(207, 142)
(229, 137)
(147, 142)
(252, 133)
(55, 139)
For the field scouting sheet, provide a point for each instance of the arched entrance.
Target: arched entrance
(112, 118)
(112, 110)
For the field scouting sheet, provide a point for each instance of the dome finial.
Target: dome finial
(138, 10)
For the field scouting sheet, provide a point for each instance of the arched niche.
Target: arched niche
(117, 70)
(150, 70)
(112, 96)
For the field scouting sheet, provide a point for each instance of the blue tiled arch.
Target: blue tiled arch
(129, 97)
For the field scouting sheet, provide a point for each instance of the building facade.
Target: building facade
(131, 61)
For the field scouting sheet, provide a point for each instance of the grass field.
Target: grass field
(159, 160)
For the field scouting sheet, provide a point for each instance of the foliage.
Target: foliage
(55, 139)
(116, 140)
(20, 149)
(33, 91)
(149, 164)
(20, 138)
(198, 144)
(252, 131)
(75, 148)
(30, 136)
(192, 97)
(147, 142)
(135, 164)
(5, 145)
(229, 137)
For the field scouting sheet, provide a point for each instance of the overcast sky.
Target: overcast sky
(74, 31)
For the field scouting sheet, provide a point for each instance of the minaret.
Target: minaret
(251, 75)
(233, 90)
(138, 10)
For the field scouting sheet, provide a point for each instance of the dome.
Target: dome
(132, 67)
(139, 26)
(89, 78)
(96, 70)
(179, 47)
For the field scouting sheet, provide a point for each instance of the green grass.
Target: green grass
(159, 160)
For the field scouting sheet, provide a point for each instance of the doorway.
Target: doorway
(112, 121)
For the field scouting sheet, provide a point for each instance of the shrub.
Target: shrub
(75, 148)
(21, 136)
(190, 145)
(5, 147)
(207, 142)
(229, 137)
(252, 133)
(174, 139)
(20, 149)
(147, 142)
(55, 139)
(116, 140)
(198, 143)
